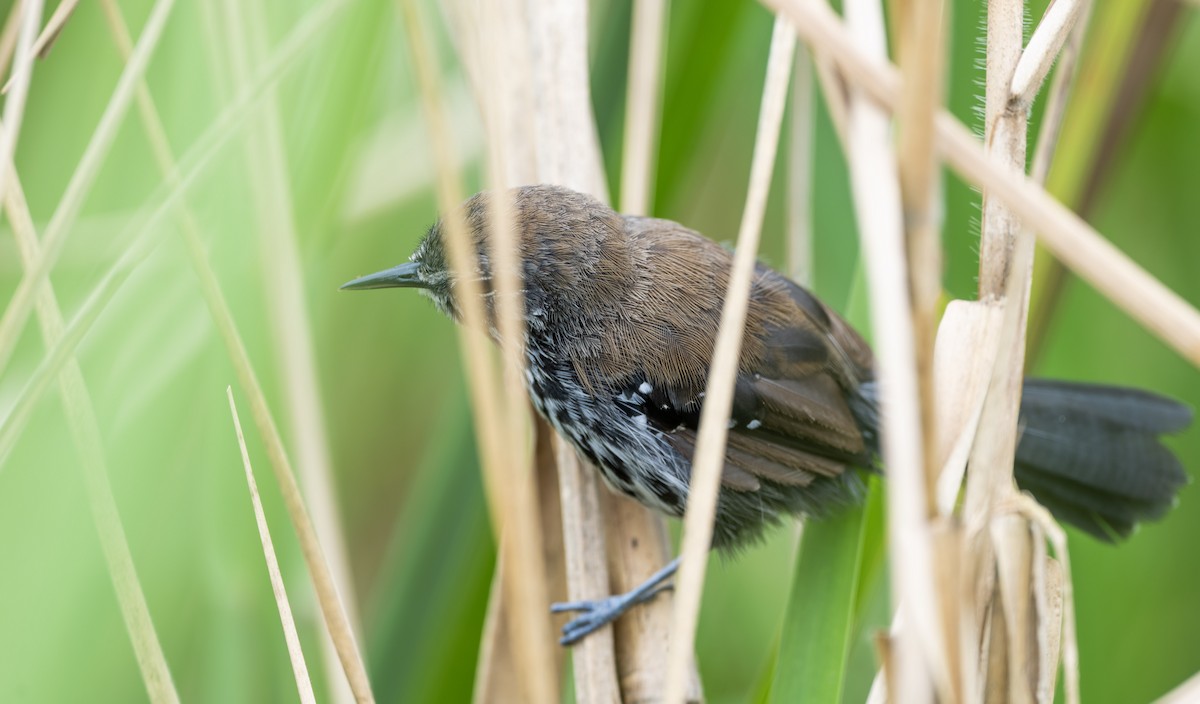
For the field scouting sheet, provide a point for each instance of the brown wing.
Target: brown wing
(790, 422)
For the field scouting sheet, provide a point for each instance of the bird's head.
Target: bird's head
(572, 251)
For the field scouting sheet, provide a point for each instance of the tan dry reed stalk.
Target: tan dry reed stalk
(917, 653)
(81, 182)
(964, 354)
(1004, 551)
(643, 105)
(295, 652)
(569, 154)
(1044, 48)
(536, 677)
(85, 432)
(54, 27)
(14, 105)
(329, 599)
(81, 416)
(495, 675)
(507, 87)
(8, 35)
(593, 659)
(641, 657)
(45, 41)
(1005, 265)
(714, 417)
(1188, 692)
(1056, 99)
(921, 51)
(266, 163)
(1064, 233)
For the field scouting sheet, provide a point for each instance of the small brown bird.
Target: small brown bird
(621, 317)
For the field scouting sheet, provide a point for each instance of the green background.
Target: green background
(359, 172)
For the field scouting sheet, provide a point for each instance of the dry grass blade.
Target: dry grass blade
(266, 162)
(1037, 515)
(299, 669)
(1186, 693)
(713, 430)
(76, 400)
(642, 105)
(587, 577)
(1072, 240)
(62, 14)
(536, 676)
(921, 52)
(14, 106)
(328, 596)
(45, 40)
(964, 354)
(918, 660)
(1044, 46)
(1056, 101)
(85, 432)
(81, 181)
(8, 35)
(506, 90)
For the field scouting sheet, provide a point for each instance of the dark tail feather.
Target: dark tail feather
(1091, 454)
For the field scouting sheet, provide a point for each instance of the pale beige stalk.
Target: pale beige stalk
(8, 35)
(54, 27)
(1189, 691)
(535, 677)
(643, 105)
(713, 431)
(290, 636)
(283, 276)
(45, 40)
(507, 91)
(14, 105)
(332, 608)
(921, 58)
(81, 415)
(85, 432)
(918, 663)
(1044, 47)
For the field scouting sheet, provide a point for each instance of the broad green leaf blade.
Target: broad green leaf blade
(819, 626)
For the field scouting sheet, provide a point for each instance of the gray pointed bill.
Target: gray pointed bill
(402, 276)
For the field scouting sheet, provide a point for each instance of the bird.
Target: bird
(621, 316)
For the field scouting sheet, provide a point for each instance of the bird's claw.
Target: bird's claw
(596, 613)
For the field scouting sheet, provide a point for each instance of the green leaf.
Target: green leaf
(819, 626)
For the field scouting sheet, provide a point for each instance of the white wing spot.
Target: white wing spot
(754, 424)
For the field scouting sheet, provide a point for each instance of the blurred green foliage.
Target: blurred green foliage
(359, 172)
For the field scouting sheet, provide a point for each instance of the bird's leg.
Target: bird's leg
(598, 612)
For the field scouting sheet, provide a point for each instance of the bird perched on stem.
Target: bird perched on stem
(621, 316)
